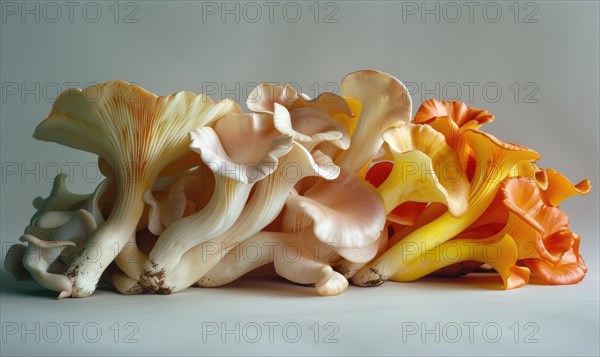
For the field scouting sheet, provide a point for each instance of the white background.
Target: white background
(549, 49)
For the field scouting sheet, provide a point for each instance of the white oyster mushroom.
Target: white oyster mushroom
(386, 103)
(41, 258)
(311, 127)
(53, 237)
(138, 134)
(241, 150)
(188, 193)
(344, 216)
(263, 207)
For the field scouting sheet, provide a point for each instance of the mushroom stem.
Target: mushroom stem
(218, 216)
(123, 283)
(475, 249)
(235, 263)
(108, 241)
(263, 207)
(237, 168)
(137, 134)
(285, 250)
(306, 270)
(496, 161)
(414, 244)
(348, 268)
(131, 259)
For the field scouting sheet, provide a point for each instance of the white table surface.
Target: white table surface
(466, 316)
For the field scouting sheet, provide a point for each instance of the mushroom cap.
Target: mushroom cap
(346, 213)
(135, 131)
(458, 112)
(311, 126)
(495, 158)
(263, 98)
(242, 147)
(385, 103)
(423, 159)
(38, 259)
(187, 194)
(60, 198)
(559, 188)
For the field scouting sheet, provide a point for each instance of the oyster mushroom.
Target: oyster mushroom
(329, 222)
(496, 159)
(263, 98)
(59, 199)
(55, 235)
(310, 127)
(386, 103)
(39, 259)
(188, 194)
(262, 208)
(241, 149)
(452, 119)
(138, 134)
(322, 123)
(425, 169)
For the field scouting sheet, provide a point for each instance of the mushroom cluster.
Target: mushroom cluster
(336, 189)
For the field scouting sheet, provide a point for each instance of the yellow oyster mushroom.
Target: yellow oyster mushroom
(495, 162)
(426, 169)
